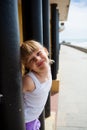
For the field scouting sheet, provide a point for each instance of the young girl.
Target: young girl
(36, 83)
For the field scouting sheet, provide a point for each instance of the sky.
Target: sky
(76, 24)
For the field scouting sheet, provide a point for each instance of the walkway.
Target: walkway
(72, 99)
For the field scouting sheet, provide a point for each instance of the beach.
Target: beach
(72, 103)
(71, 109)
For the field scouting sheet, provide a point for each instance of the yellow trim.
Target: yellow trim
(55, 87)
(20, 22)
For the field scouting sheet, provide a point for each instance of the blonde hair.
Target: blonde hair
(27, 48)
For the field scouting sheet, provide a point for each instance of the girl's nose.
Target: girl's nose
(38, 58)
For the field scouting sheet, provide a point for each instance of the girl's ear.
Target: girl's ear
(45, 49)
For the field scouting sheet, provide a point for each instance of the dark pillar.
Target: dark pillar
(47, 107)
(46, 24)
(57, 41)
(33, 28)
(32, 20)
(46, 41)
(11, 110)
(54, 39)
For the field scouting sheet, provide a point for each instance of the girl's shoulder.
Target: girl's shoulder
(28, 83)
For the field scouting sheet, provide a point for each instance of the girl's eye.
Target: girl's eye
(32, 60)
(39, 53)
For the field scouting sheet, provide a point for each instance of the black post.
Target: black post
(32, 20)
(54, 39)
(46, 24)
(46, 41)
(11, 110)
(57, 41)
(33, 28)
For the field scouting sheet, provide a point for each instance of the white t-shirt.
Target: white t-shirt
(35, 101)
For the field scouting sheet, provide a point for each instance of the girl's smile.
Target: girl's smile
(40, 63)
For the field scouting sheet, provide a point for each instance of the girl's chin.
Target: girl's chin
(43, 67)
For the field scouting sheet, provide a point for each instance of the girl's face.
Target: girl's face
(38, 60)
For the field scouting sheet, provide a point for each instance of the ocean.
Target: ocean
(77, 42)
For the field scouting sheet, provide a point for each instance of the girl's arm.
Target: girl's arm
(28, 84)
